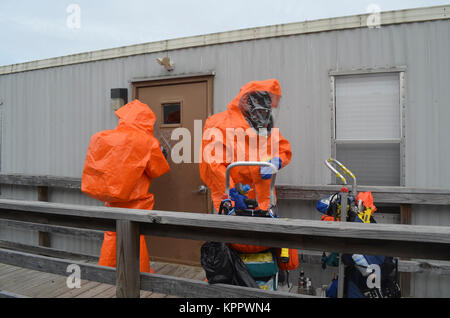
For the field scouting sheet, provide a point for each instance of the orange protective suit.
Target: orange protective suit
(119, 167)
(212, 171)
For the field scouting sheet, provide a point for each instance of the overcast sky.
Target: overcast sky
(33, 30)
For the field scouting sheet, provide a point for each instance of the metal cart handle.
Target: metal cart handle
(339, 175)
(253, 163)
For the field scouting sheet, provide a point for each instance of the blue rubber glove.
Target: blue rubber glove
(332, 290)
(238, 199)
(266, 172)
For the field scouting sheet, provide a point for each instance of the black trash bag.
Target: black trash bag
(241, 276)
(223, 265)
(216, 261)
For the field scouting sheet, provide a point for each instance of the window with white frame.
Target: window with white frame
(368, 136)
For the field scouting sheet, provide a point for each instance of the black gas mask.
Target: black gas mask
(259, 110)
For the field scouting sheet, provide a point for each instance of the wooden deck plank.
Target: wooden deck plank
(45, 285)
(31, 283)
(5, 269)
(179, 271)
(50, 288)
(145, 294)
(58, 289)
(190, 273)
(162, 268)
(157, 295)
(36, 280)
(76, 291)
(94, 291)
(64, 292)
(37, 284)
(167, 270)
(200, 275)
(20, 280)
(12, 279)
(157, 265)
(108, 293)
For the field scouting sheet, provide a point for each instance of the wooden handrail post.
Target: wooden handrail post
(405, 278)
(341, 278)
(44, 237)
(127, 272)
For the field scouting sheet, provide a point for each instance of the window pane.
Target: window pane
(172, 113)
(372, 164)
(368, 107)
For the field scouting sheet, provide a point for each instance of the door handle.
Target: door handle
(202, 189)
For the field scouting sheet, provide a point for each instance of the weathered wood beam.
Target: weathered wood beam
(46, 251)
(405, 278)
(57, 266)
(382, 194)
(308, 258)
(6, 294)
(65, 222)
(127, 273)
(329, 242)
(63, 230)
(426, 242)
(40, 180)
(395, 195)
(189, 288)
(44, 237)
(150, 282)
(415, 266)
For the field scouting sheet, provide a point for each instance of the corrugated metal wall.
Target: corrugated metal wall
(50, 114)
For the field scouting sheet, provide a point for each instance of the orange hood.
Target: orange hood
(137, 114)
(271, 85)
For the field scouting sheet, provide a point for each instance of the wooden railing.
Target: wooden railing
(427, 242)
(406, 198)
(382, 194)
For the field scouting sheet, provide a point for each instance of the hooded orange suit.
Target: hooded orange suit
(212, 171)
(119, 167)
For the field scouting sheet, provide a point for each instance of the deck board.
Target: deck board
(31, 282)
(97, 290)
(37, 284)
(12, 279)
(50, 289)
(72, 293)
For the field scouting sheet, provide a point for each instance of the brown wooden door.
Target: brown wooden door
(177, 104)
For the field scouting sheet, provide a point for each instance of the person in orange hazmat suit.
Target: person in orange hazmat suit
(119, 167)
(250, 111)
